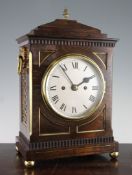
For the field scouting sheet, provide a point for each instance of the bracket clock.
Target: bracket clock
(65, 72)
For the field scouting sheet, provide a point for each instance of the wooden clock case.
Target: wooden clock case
(44, 134)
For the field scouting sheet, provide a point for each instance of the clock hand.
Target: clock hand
(66, 74)
(85, 80)
(74, 87)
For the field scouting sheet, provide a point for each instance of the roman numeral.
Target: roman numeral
(85, 68)
(55, 76)
(75, 65)
(85, 107)
(63, 67)
(63, 107)
(55, 98)
(92, 98)
(74, 110)
(53, 88)
(95, 87)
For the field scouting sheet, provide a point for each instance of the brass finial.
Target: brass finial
(65, 14)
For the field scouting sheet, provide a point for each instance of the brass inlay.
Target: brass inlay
(30, 92)
(97, 55)
(50, 134)
(43, 55)
(65, 14)
(45, 76)
(97, 130)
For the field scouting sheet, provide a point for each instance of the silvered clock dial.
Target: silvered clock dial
(73, 86)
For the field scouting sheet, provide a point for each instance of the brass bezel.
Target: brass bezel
(45, 76)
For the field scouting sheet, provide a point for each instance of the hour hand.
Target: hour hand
(86, 80)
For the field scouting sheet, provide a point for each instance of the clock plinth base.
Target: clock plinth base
(45, 154)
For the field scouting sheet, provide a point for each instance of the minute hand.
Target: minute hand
(66, 75)
(86, 80)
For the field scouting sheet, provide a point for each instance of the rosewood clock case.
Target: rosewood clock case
(43, 133)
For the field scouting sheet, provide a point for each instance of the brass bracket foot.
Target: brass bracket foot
(114, 155)
(29, 163)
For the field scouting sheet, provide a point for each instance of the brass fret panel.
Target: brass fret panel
(25, 97)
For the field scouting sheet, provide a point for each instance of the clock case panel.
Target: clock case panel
(48, 118)
(47, 135)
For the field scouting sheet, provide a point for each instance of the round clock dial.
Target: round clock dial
(73, 86)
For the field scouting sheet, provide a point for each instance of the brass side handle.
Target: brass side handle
(22, 59)
(20, 64)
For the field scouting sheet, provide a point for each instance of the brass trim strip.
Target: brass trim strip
(51, 134)
(97, 130)
(96, 54)
(48, 54)
(104, 118)
(30, 92)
